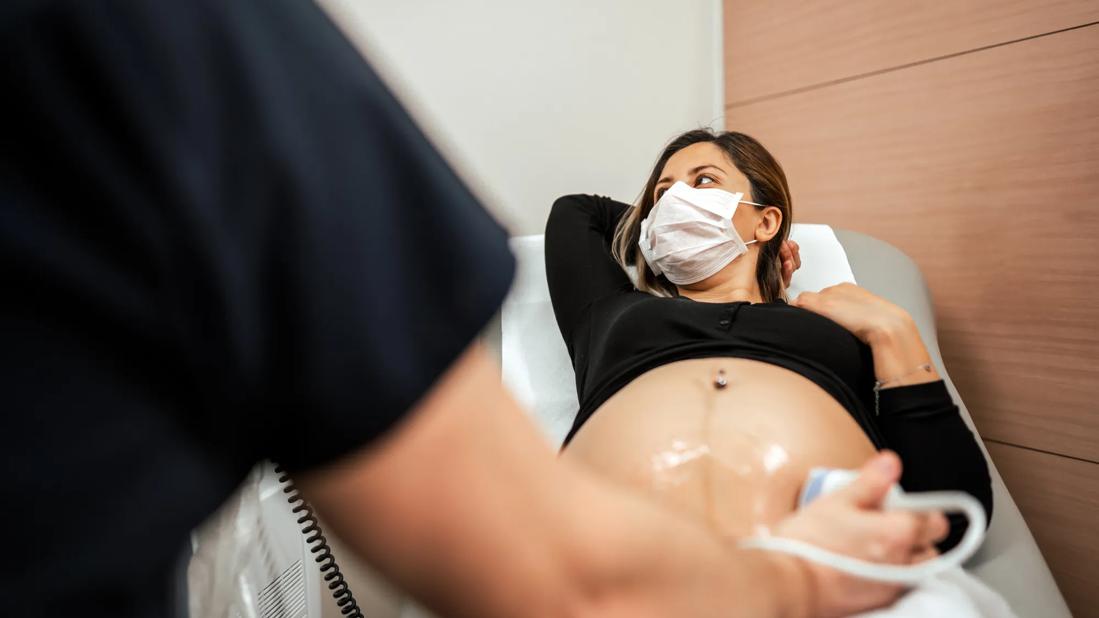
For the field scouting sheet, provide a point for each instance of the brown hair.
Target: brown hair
(768, 185)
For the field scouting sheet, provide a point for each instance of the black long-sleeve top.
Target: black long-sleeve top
(615, 333)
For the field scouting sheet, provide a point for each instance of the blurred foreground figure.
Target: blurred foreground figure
(223, 240)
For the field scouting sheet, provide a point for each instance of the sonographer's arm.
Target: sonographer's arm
(465, 507)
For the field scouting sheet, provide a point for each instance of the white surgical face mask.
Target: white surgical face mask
(689, 233)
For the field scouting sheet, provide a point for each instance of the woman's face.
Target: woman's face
(705, 166)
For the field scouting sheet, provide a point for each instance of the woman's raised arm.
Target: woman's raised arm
(579, 266)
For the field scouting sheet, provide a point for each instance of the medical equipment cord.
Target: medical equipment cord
(911, 574)
(318, 546)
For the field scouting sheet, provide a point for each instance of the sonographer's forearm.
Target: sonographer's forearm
(641, 561)
(481, 519)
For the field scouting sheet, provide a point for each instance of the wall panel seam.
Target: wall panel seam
(900, 67)
(1039, 450)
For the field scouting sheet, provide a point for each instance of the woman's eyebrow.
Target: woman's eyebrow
(692, 172)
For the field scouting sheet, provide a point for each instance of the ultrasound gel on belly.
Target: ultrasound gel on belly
(822, 481)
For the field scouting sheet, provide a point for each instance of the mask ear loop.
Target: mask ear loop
(755, 204)
(947, 501)
(758, 205)
(646, 248)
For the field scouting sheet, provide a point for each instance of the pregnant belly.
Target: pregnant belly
(734, 456)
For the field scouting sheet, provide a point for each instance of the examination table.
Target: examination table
(536, 367)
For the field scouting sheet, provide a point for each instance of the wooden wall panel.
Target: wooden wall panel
(782, 45)
(1059, 498)
(984, 168)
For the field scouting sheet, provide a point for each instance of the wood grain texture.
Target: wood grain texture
(782, 45)
(1059, 498)
(984, 168)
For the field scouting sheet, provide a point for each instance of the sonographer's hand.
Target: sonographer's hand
(789, 255)
(850, 521)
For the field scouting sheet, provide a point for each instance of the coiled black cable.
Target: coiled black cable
(318, 546)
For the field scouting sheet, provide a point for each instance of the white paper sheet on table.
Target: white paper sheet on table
(536, 365)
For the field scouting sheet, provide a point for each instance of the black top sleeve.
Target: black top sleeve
(579, 266)
(924, 426)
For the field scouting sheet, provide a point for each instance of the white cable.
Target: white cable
(946, 501)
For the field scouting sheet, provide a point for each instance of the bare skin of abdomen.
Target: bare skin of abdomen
(734, 455)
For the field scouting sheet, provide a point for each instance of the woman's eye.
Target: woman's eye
(698, 181)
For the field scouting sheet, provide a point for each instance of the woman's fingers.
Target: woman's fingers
(784, 251)
(791, 252)
(806, 300)
(787, 255)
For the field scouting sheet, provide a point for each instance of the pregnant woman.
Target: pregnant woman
(700, 384)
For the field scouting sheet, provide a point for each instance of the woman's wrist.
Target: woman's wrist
(899, 353)
(891, 328)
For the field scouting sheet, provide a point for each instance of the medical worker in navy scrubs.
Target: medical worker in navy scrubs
(222, 240)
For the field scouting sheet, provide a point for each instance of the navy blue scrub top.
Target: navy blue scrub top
(222, 240)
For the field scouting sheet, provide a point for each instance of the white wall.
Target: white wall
(532, 100)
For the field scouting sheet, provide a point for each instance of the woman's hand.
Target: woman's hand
(891, 333)
(789, 255)
(850, 521)
(855, 309)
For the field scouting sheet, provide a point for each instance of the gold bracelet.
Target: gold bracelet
(878, 383)
(924, 367)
